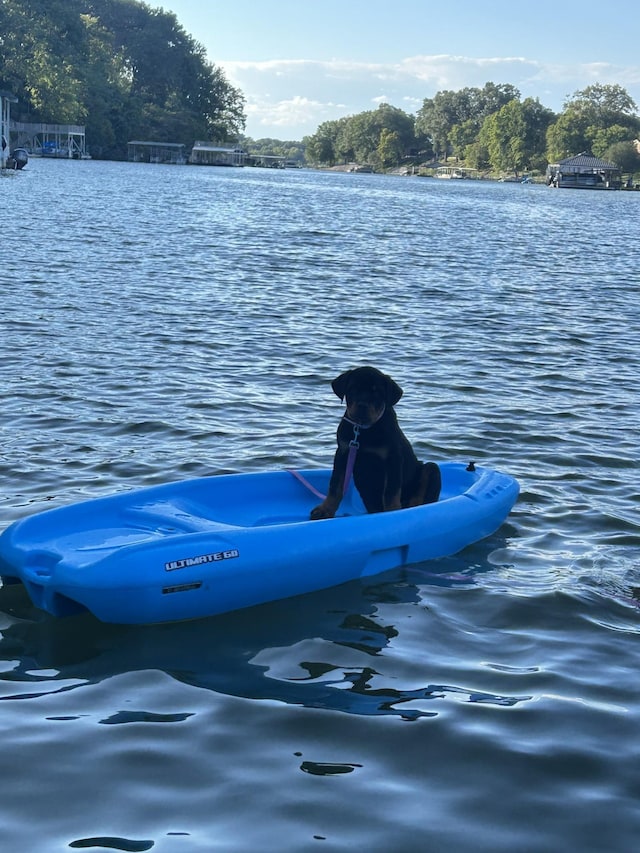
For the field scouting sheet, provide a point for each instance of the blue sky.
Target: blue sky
(301, 63)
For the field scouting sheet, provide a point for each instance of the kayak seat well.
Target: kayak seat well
(171, 518)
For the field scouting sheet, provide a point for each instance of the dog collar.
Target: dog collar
(364, 426)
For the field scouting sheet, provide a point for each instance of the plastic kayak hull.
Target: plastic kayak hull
(205, 546)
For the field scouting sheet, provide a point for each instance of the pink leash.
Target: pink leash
(354, 445)
(351, 458)
(306, 483)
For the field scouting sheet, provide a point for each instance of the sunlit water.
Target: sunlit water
(163, 322)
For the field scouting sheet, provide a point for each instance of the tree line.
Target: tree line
(288, 150)
(489, 128)
(127, 71)
(119, 67)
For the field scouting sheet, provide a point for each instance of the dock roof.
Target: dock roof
(587, 160)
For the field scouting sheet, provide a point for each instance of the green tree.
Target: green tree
(476, 154)
(361, 136)
(436, 118)
(603, 104)
(491, 98)
(372, 136)
(504, 133)
(605, 137)
(343, 141)
(463, 136)
(450, 119)
(276, 147)
(169, 72)
(625, 155)
(537, 120)
(320, 147)
(588, 118)
(567, 136)
(106, 86)
(399, 122)
(512, 139)
(390, 148)
(387, 125)
(123, 69)
(40, 56)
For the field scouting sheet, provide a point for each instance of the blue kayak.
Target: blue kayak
(204, 546)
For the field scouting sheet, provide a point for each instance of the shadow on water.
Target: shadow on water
(231, 654)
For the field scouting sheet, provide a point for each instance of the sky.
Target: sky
(301, 63)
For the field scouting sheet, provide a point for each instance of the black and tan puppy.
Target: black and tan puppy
(386, 471)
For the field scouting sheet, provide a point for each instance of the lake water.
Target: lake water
(160, 323)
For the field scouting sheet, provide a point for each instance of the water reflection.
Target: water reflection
(322, 650)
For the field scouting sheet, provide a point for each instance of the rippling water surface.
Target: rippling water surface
(161, 323)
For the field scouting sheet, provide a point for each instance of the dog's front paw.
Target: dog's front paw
(321, 511)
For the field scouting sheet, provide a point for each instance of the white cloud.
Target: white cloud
(297, 112)
(454, 72)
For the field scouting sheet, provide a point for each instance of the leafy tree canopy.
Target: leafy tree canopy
(123, 69)
(602, 103)
(380, 137)
(625, 155)
(513, 138)
(274, 147)
(593, 119)
(440, 118)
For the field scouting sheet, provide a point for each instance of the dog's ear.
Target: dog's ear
(339, 384)
(394, 391)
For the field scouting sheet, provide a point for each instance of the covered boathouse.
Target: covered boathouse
(208, 154)
(156, 152)
(51, 140)
(584, 172)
